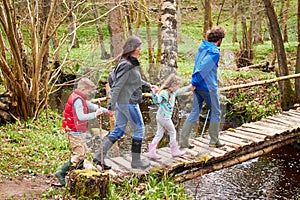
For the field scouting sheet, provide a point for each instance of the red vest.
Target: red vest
(70, 120)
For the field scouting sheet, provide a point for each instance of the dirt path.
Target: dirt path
(26, 188)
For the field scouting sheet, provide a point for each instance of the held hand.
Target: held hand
(154, 88)
(192, 88)
(98, 112)
(109, 113)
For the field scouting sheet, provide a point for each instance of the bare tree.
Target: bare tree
(27, 74)
(285, 87)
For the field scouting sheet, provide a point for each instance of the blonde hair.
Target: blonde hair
(172, 83)
(85, 83)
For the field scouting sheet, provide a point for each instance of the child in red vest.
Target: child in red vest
(75, 122)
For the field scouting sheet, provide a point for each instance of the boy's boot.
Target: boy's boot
(152, 151)
(136, 149)
(185, 135)
(213, 132)
(175, 151)
(63, 172)
(107, 143)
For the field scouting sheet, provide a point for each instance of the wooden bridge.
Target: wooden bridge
(243, 143)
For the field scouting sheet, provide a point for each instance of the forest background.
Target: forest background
(47, 46)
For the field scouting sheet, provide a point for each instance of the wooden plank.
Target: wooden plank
(161, 153)
(113, 165)
(296, 112)
(233, 141)
(281, 126)
(127, 164)
(270, 129)
(265, 129)
(293, 121)
(281, 119)
(227, 148)
(244, 136)
(216, 152)
(271, 126)
(255, 130)
(250, 133)
(154, 163)
(291, 115)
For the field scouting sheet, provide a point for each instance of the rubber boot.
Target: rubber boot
(175, 151)
(136, 149)
(63, 172)
(152, 151)
(107, 143)
(213, 132)
(185, 135)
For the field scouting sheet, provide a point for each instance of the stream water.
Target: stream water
(272, 176)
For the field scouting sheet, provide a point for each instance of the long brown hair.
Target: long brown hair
(172, 83)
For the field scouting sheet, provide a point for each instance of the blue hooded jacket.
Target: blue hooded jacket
(205, 73)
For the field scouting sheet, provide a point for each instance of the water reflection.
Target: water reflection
(273, 176)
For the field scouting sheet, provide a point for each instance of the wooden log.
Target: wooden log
(88, 183)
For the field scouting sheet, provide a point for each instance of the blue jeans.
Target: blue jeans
(128, 113)
(211, 99)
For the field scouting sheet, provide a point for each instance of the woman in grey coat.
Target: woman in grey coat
(126, 94)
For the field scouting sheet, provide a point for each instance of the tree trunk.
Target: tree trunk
(152, 71)
(169, 39)
(246, 52)
(178, 13)
(285, 20)
(72, 29)
(159, 39)
(235, 15)
(284, 86)
(116, 30)
(257, 22)
(104, 54)
(297, 81)
(207, 17)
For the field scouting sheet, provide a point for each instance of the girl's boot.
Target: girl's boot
(175, 150)
(152, 151)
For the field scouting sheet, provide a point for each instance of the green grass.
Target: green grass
(40, 147)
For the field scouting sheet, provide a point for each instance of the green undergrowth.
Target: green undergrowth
(31, 148)
(39, 147)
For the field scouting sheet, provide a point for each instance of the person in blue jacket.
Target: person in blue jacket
(205, 81)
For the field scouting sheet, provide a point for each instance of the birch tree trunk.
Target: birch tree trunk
(287, 94)
(169, 39)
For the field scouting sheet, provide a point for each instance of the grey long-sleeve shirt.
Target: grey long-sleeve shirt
(78, 106)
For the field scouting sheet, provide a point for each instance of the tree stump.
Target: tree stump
(88, 183)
